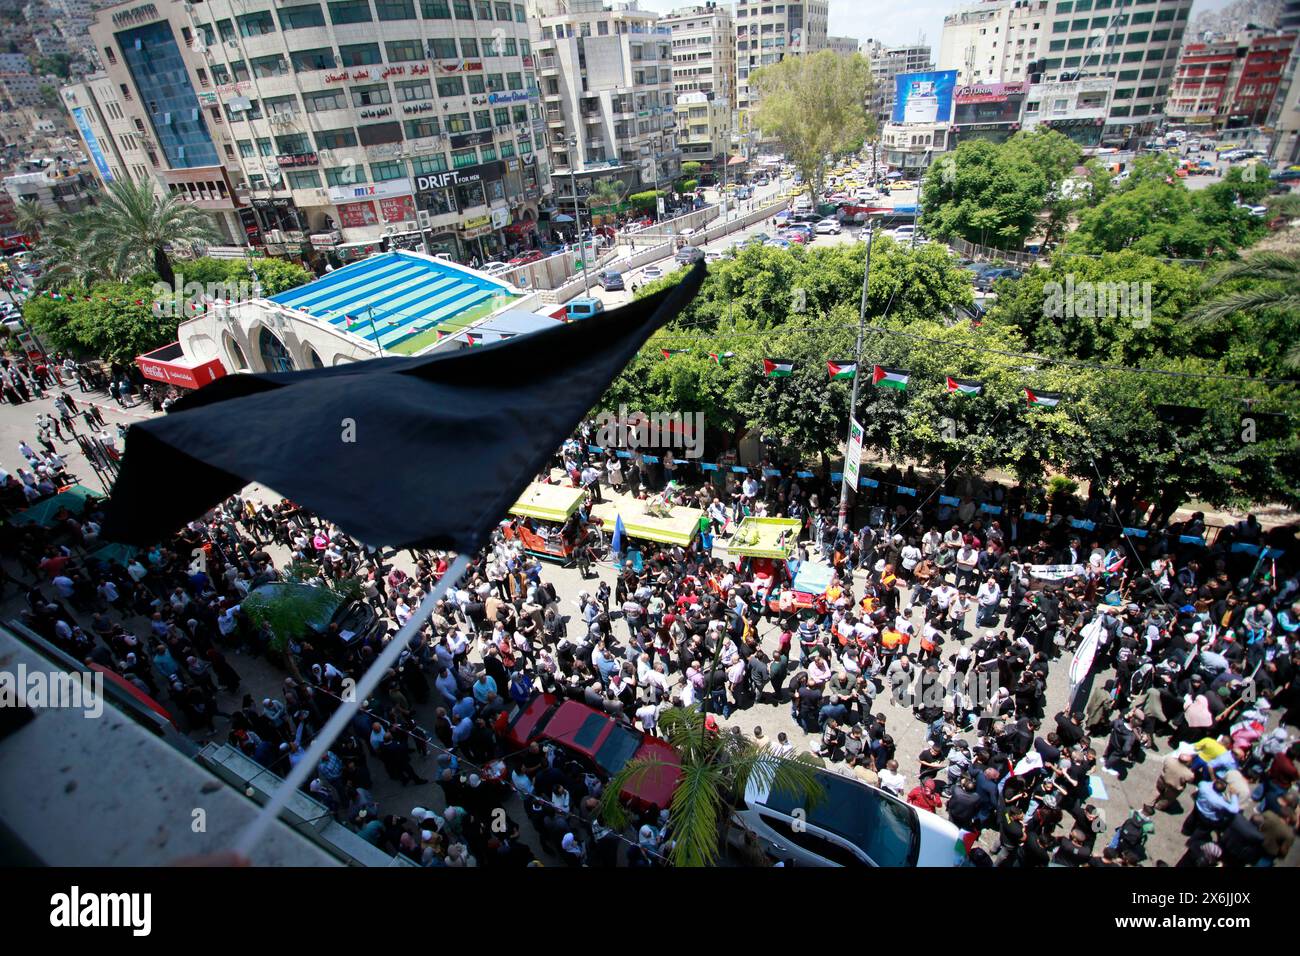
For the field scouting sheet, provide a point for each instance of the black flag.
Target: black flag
(406, 452)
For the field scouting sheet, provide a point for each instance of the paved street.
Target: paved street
(260, 679)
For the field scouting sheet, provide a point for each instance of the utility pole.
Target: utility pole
(857, 374)
(577, 212)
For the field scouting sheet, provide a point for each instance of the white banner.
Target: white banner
(1056, 572)
(853, 454)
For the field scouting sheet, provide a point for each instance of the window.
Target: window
(512, 47)
(360, 54)
(281, 104)
(401, 50)
(458, 123)
(519, 114)
(1061, 26)
(441, 48)
(226, 29)
(469, 48)
(476, 84)
(503, 12)
(246, 148)
(435, 9)
(414, 90)
(489, 47)
(501, 116)
(395, 9)
(526, 147)
(298, 18)
(336, 138)
(814, 843)
(304, 179)
(220, 73)
(1055, 46)
(348, 175)
(1143, 17)
(325, 100)
(488, 153)
(420, 128)
(515, 81)
(521, 15)
(320, 59)
(350, 11)
(392, 169)
(461, 158)
(295, 144)
(482, 119)
(240, 69)
(265, 146)
(427, 165)
(371, 95)
(1139, 37)
(507, 149)
(269, 66)
(451, 86)
(495, 83)
(483, 10)
(256, 24)
(462, 9)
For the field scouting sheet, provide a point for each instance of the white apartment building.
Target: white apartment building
(606, 78)
(766, 31)
(993, 41)
(115, 147)
(704, 51)
(844, 46)
(703, 128)
(327, 125)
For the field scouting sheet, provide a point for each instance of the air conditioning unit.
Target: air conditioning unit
(274, 235)
(422, 218)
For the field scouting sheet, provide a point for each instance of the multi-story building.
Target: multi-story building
(1286, 105)
(886, 64)
(19, 89)
(1132, 43)
(117, 149)
(767, 31)
(1075, 108)
(989, 111)
(1229, 82)
(993, 41)
(911, 148)
(606, 78)
(844, 46)
(703, 128)
(343, 121)
(704, 51)
(60, 186)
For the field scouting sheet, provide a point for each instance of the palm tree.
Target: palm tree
(31, 217)
(606, 193)
(713, 767)
(131, 219)
(1277, 278)
(1287, 205)
(69, 255)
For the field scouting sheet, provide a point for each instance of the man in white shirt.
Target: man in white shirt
(989, 597)
(892, 780)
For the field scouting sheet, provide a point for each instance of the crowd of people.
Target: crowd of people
(936, 612)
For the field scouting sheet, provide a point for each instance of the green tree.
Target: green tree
(69, 255)
(111, 320)
(714, 767)
(815, 106)
(131, 219)
(645, 202)
(1262, 290)
(605, 193)
(691, 170)
(984, 193)
(31, 217)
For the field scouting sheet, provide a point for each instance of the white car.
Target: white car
(853, 825)
(827, 227)
(650, 273)
(713, 256)
(903, 233)
(495, 268)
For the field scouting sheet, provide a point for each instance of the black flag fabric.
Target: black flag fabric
(406, 452)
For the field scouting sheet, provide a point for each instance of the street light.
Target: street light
(572, 143)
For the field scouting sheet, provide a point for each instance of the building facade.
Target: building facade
(324, 126)
(767, 31)
(606, 78)
(994, 41)
(703, 128)
(843, 46)
(1230, 82)
(886, 64)
(1286, 105)
(704, 51)
(1075, 108)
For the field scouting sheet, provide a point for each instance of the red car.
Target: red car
(599, 741)
(795, 235)
(535, 255)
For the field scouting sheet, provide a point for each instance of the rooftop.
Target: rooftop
(402, 301)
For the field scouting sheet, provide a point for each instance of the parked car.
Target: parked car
(903, 233)
(533, 255)
(828, 227)
(495, 268)
(984, 281)
(610, 281)
(689, 254)
(853, 825)
(795, 236)
(760, 238)
(902, 184)
(583, 308)
(601, 744)
(650, 273)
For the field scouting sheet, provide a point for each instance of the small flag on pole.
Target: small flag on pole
(841, 370)
(620, 536)
(777, 368)
(964, 386)
(669, 353)
(719, 357)
(1048, 399)
(890, 377)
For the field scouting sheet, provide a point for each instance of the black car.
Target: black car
(984, 280)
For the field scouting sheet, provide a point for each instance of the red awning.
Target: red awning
(521, 227)
(169, 364)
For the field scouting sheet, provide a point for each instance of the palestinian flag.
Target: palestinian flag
(964, 386)
(1049, 399)
(777, 368)
(890, 377)
(473, 338)
(842, 370)
(669, 353)
(719, 357)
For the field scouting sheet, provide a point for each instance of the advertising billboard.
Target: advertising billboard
(92, 143)
(924, 97)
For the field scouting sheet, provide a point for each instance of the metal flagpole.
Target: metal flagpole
(857, 374)
(310, 762)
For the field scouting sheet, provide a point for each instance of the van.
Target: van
(583, 308)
